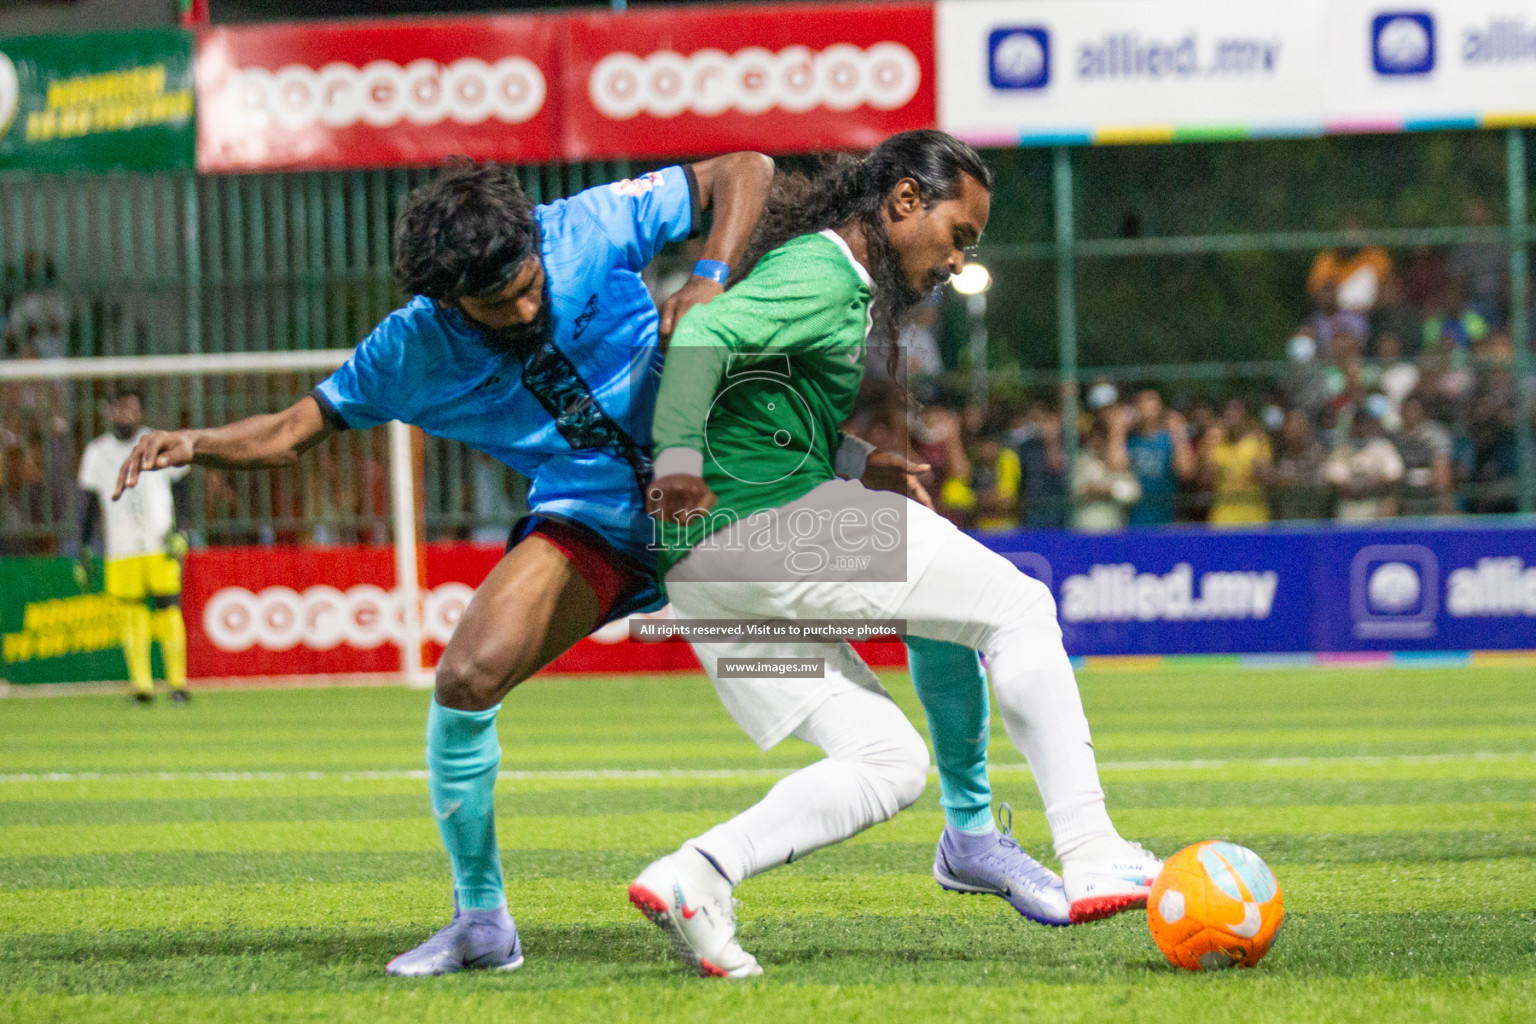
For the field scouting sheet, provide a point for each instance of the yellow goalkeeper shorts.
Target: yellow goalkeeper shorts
(133, 579)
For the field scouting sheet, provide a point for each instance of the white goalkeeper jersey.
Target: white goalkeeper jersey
(135, 524)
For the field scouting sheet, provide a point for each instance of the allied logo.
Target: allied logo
(1019, 58)
(1496, 586)
(1403, 43)
(1394, 591)
(1121, 593)
(1394, 587)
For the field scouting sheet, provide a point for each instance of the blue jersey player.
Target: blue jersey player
(532, 338)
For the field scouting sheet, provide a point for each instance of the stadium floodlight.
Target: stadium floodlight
(972, 280)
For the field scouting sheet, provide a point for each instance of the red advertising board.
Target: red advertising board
(371, 94)
(302, 611)
(289, 611)
(791, 78)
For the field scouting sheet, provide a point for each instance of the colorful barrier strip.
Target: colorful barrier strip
(1337, 659)
(1162, 134)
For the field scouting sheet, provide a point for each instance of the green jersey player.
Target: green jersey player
(755, 524)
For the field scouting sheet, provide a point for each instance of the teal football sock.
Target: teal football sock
(462, 757)
(953, 688)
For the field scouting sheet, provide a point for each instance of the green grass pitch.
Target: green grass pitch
(259, 856)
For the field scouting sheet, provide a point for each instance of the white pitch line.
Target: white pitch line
(703, 774)
(1291, 762)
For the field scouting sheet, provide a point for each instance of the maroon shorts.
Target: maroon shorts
(620, 586)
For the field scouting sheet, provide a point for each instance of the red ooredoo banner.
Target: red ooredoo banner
(681, 82)
(791, 78)
(294, 611)
(370, 94)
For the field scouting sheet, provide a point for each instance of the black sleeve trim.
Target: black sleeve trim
(328, 410)
(696, 199)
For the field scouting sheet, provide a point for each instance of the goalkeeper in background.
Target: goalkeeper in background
(142, 548)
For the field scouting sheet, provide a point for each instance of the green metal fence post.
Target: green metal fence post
(1066, 314)
(192, 285)
(1519, 314)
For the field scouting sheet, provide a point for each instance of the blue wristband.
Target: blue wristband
(712, 270)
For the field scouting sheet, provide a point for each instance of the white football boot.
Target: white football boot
(1106, 882)
(687, 898)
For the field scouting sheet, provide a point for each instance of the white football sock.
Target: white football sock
(973, 596)
(876, 764)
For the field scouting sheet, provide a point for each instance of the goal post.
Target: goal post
(74, 378)
(402, 491)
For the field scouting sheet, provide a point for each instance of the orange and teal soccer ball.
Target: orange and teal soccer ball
(1215, 905)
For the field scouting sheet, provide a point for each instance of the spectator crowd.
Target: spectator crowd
(1141, 463)
(1400, 399)
(38, 448)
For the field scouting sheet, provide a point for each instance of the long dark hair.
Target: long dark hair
(466, 232)
(846, 187)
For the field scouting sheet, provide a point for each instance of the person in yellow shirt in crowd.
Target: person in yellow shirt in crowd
(986, 488)
(1235, 458)
(142, 547)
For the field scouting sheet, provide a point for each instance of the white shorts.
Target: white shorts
(722, 578)
(769, 709)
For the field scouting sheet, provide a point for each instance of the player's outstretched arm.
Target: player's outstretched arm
(256, 442)
(735, 186)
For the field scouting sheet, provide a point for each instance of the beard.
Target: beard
(519, 340)
(895, 298)
(124, 431)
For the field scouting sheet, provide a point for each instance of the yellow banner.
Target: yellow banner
(66, 625)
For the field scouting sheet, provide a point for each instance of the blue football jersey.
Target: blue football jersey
(574, 416)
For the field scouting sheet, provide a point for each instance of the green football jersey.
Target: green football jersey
(759, 380)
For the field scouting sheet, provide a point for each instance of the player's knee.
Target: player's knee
(912, 778)
(902, 763)
(467, 683)
(1021, 603)
(1029, 596)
